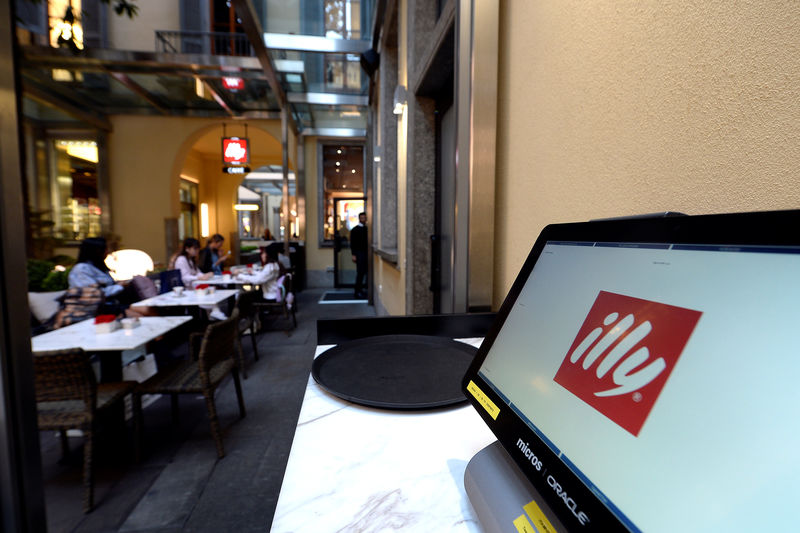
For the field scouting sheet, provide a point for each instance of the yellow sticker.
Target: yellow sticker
(541, 522)
(484, 400)
(522, 525)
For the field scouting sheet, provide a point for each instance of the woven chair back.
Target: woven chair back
(245, 302)
(218, 345)
(63, 375)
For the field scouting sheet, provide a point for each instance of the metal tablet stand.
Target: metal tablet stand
(498, 491)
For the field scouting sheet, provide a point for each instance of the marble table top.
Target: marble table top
(187, 299)
(220, 280)
(82, 335)
(355, 468)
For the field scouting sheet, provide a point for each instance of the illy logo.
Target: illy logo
(235, 152)
(623, 354)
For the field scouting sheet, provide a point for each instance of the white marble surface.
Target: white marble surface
(187, 299)
(220, 280)
(354, 468)
(82, 335)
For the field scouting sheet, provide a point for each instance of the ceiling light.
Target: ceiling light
(246, 207)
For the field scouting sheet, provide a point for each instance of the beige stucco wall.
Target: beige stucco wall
(615, 108)
(316, 258)
(146, 157)
(138, 33)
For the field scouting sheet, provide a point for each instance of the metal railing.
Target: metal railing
(203, 42)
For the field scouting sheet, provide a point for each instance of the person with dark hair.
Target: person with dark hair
(211, 257)
(186, 262)
(268, 277)
(91, 269)
(358, 247)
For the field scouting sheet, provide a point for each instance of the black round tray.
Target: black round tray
(396, 371)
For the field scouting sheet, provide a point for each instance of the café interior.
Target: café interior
(460, 128)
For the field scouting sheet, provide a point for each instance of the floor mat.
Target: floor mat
(340, 297)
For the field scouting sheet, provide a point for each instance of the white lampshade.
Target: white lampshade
(124, 264)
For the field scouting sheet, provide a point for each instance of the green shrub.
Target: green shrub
(56, 280)
(38, 269)
(248, 249)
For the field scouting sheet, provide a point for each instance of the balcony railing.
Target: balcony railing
(203, 42)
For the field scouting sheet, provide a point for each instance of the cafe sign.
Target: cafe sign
(235, 151)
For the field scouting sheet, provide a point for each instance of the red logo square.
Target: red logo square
(623, 355)
(235, 151)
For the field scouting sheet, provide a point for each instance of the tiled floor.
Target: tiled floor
(180, 485)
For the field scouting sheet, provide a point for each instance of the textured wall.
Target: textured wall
(622, 107)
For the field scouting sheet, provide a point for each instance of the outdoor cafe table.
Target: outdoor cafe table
(220, 280)
(188, 298)
(115, 349)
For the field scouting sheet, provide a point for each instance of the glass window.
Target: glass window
(343, 19)
(342, 71)
(73, 189)
(342, 177)
(187, 222)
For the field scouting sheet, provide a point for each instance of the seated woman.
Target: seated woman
(186, 262)
(268, 277)
(92, 270)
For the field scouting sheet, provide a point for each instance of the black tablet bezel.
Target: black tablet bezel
(767, 228)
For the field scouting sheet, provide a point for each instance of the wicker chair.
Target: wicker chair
(284, 305)
(215, 360)
(69, 397)
(247, 321)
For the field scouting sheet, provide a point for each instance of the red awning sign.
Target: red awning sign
(233, 84)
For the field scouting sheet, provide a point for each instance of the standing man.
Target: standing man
(358, 246)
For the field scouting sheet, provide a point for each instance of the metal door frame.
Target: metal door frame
(336, 246)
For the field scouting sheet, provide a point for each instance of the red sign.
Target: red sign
(233, 84)
(623, 354)
(235, 151)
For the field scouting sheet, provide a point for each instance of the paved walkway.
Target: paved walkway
(180, 485)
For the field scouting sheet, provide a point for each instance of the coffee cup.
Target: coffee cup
(178, 291)
(130, 323)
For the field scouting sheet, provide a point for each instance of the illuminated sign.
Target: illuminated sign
(235, 151)
(236, 170)
(233, 84)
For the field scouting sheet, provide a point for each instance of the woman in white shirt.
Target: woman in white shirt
(269, 277)
(186, 262)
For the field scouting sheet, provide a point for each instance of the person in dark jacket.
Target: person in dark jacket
(211, 257)
(358, 247)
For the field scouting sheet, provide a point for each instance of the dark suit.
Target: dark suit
(358, 246)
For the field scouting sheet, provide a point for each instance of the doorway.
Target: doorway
(345, 218)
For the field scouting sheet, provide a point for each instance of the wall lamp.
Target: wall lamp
(400, 99)
(204, 225)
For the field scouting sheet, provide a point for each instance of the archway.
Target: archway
(203, 195)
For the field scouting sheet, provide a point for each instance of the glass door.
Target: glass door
(345, 218)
